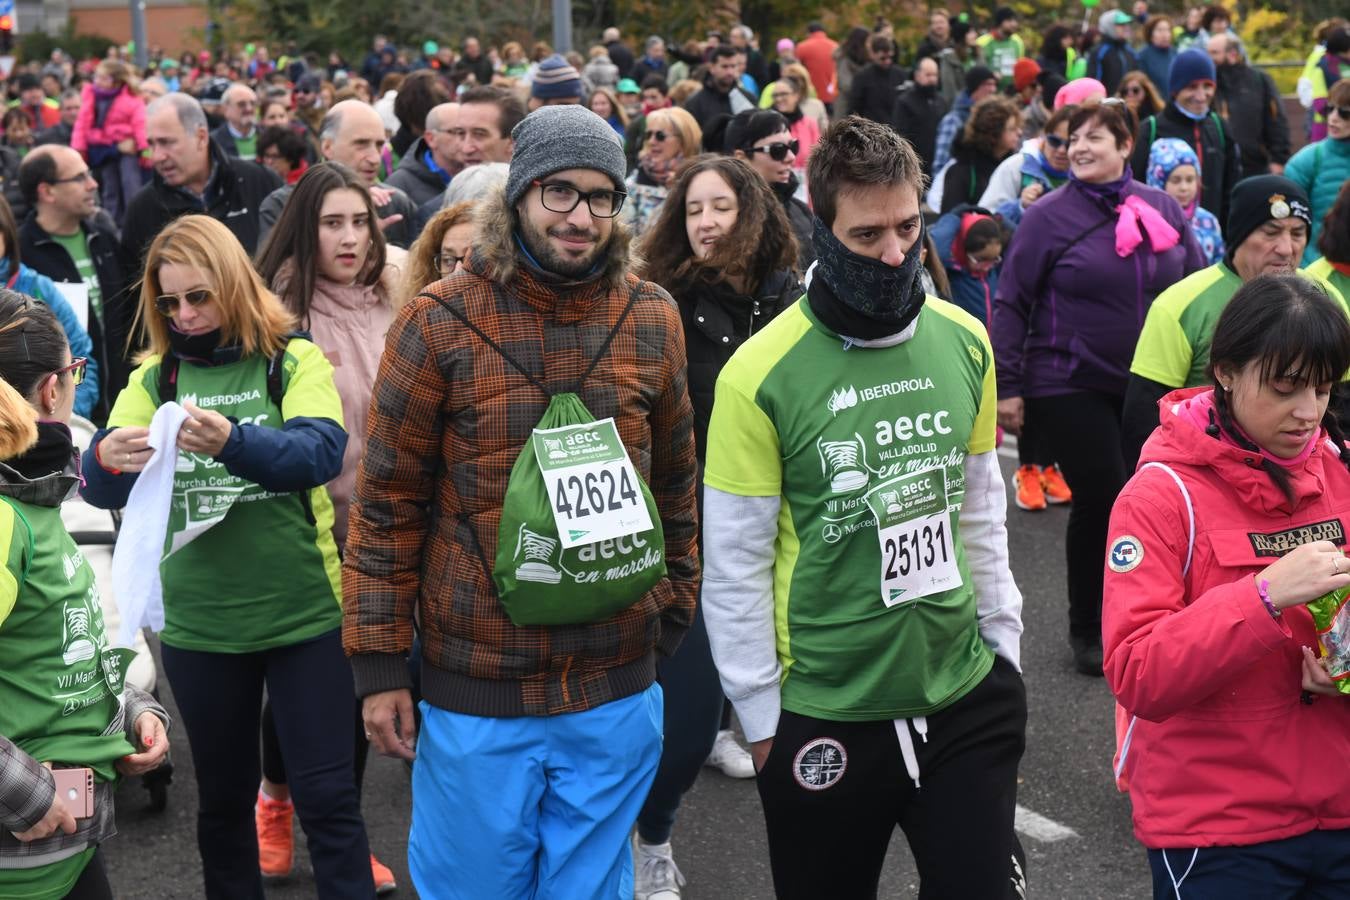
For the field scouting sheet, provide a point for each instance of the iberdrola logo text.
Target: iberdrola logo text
(222, 399)
(849, 397)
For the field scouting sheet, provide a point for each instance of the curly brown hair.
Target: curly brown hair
(760, 244)
(420, 268)
(984, 128)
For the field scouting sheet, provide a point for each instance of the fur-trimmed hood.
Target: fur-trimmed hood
(498, 257)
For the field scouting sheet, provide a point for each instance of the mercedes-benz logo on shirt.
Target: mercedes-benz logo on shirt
(831, 533)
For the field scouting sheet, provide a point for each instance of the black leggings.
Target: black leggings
(93, 881)
(274, 766)
(1081, 432)
(1030, 451)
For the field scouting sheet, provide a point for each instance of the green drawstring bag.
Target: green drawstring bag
(580, 537)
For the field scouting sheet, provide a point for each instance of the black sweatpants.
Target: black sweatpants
(833, 792)
(1082, 433)
(93, 881)
(220, 698)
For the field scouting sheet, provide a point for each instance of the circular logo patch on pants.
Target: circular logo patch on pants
(819, 764)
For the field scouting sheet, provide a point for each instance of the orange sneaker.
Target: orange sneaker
(384, 878)
(1055, 487)
(276, 839)
(1027, 484)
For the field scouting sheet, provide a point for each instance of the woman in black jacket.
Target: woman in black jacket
(993, 131)
(723, 248)
(763, 138)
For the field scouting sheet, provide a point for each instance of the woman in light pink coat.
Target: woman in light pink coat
(327, 261)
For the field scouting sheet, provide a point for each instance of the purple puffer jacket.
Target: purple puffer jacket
(1074, 328)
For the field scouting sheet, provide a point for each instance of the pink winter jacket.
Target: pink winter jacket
(125, 119)
(1223, 752)
(349, 322)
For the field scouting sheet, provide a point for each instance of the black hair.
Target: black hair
(1003, 14)
(1334, 241)
(855, 45)
(724, 51)
(510, 108)
(654, 81)
(32, 342)
(36, 169)
(1292, 329)
(727, 134)
(982, 234)
(290, 145)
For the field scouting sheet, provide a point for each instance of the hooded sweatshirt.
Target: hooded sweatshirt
(971, 291)
(1222, 751)
(1164, 157)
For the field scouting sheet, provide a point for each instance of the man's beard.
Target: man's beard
(550, 260)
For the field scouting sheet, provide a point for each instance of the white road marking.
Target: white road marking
(1035, 825)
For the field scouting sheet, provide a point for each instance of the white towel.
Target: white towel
(140, 543)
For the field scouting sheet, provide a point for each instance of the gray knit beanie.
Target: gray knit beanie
(554, 138)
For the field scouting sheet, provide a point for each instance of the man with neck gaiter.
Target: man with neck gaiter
(857, 592)
(527, 495)
(1189, 115)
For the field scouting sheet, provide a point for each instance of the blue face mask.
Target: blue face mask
(1194, 117)
(886, 294)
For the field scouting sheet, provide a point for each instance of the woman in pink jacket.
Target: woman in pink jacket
(110, 134)
(1237, 518)
(328, 262)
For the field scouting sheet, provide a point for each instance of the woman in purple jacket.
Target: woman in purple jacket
(1071, 301)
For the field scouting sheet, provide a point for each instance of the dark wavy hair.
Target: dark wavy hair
(984, 128)
(760, 244)
(1290, 328)
(295, 237)
(1334, 241)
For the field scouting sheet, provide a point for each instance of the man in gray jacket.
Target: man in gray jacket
(433, 159)
(353, 134)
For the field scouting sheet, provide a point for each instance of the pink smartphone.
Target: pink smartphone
(75, 787)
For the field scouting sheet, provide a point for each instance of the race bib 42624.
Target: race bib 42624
(593, 489)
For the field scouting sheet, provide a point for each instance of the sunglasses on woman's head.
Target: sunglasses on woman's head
(778, 150)
(167, 304)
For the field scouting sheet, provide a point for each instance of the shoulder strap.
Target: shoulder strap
(604, 347)
(276, 391)
(1190, 510)
(1218, 126)
(1152, 129)
(32, 547)
(168, 378)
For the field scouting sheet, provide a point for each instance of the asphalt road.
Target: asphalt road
(719, 839)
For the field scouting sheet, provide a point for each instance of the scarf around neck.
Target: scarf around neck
(859, 297)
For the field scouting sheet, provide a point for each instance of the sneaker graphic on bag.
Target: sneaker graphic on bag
(538, 552)
(78, 646)
(839, 461)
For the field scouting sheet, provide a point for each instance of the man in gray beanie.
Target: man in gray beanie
(538, 742)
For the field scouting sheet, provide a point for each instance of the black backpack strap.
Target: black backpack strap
(595, 360)
(168, 378)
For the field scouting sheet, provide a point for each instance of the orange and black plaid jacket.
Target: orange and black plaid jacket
(448, 418)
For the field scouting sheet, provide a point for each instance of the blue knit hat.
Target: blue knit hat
(555, 78)
(1189, 66)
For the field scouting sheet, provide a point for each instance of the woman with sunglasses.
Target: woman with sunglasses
(439, 251)
(1024, 178)
(723, 249)
(1075, 287)
(15, 276)
(1140, 95)
(251, 582)
(333, 271)
(763, 138)
(1321, 168)
(52, 637)
(671, 136)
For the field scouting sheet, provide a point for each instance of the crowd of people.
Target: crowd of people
(559, 407)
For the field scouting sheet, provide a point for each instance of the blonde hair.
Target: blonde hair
(682, 123)
(18, 422)
(420, 268)
(250, 314)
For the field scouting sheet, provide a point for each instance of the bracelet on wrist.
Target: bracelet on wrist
(1263, 589)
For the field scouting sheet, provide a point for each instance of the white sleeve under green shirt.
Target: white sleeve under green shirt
(874, 610)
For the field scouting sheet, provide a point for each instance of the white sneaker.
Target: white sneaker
(657, 877)
(729, 756)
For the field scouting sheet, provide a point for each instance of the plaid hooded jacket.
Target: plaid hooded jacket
(448, 418)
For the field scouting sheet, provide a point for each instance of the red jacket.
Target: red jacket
(125, 119)
(817, 54)
(1223, 751)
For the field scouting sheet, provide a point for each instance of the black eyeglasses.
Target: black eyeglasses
(84, 176)
(446, 263)
(560, 197)
(167, 304)
(77, 368)
(778, 150)
(657, 135)
(1342, 111)
(1056, 142)
(1133, 90)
